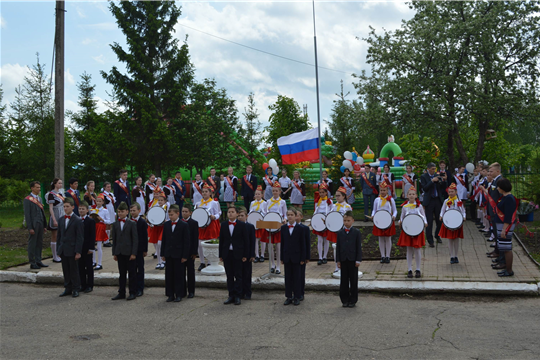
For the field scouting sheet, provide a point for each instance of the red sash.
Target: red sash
(179, 186)
(460, 180)
(32, 199)
(231, 185)
(111, 199)
(59, 196)
(197, 187)
(214, 186)
(296, 185)
(408, 178)
(346, 182)
(122, 186)
(270, 183)
(248, 183)
(499, 212)
(90, 196)
(369, 184)
(390, 188)
(74, 196)
(171, 188)
(141, 191)
(151, 186)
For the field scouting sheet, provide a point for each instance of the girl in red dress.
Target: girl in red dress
(101, 216)
(453, 236)
(156, 231)
(413, 244)
(385, 202)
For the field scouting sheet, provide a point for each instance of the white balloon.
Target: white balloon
(275, 169)
(347, 155)
(360, 160)
(272, 163)
(346, 163)
(469, 167)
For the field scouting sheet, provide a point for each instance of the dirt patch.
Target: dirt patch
(18, 238)
(370, 245)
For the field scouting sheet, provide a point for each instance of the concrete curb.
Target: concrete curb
(423, 287)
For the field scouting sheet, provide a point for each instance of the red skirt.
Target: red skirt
(155, 234)
(331, 236)
(451, 234)
(275, 237)
(388, 232)
(261, 234)
(413, 241)
(320, 233)
(210, 232)
(101, 234)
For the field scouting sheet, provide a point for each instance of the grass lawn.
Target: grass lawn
(14, 256)
(11, 217)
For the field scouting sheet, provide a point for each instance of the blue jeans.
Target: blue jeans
(368, 203)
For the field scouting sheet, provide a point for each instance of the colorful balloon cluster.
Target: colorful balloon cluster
(271, 164)
(352, 161)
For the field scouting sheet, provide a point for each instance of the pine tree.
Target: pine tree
(252, 131)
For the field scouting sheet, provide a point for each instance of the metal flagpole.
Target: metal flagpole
(317, 83)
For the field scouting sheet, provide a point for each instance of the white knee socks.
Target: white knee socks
(257, 241)
(99, 252)
(263, 249)
(271, 254)
(326, 247)
(410, 254)
(278, 256)
(108, 232)
(417, 253)
(158, 252)
(385, 245)
(54, 254)
(388, 245)
(320, 242)
(201, 254)
(455, 247)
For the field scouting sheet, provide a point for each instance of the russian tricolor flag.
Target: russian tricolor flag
(298, 147)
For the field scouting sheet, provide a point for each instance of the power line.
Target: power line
(262, 51)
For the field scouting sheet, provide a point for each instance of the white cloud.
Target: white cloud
(3, 23)
(80, 12)
(100, 59)
(68, 77)
(87, 41)
(105, 26)
(11, 75)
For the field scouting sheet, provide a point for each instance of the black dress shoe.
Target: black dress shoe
(131, 297)
(288, 302)
(107, 244)
(98, 267)
(191, 295)
(57, 261)
(278, 272)
(319, 262)
(119, 297)
(456, 260)
(417, 274)
(247, 297)
(387, 260)
(88, 290)
(261, 259)
(352, 305)
(140, 293)
(202, 266)
(65, 293)
(506, 273)
(178, 299)
(345, 305)
(409, 274)
(35, 267)
(490, 240)
(170, 299)
(431, 245)
(42, 264)
(324, 261)
(383, 260)
(272, 270)
(492, 245)
(256, 260)
(302, 298)
(452, 261)
(439, 241)
(296, 302)
(237, 301)
(230, 300)
(75, 293)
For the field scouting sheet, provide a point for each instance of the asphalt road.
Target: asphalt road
(36, 323)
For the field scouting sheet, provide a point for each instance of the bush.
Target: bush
(13, 191)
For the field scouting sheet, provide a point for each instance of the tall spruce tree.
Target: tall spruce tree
(154, 88)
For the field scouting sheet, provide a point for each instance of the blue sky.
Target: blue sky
(280, 27)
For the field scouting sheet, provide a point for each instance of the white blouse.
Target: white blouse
(342, 208)
(419, 210)
(280, 208)
(390, 206)
(324, 207)
(260, 206)
(212, 207)
(454, 206)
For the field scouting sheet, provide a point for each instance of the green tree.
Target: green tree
(251, 133)
(286, 118)
(154, 88)
(456, 65)
(343, 124)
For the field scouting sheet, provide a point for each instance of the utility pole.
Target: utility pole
(59, 92)
(317, 82)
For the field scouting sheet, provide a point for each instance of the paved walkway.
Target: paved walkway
(473, 264)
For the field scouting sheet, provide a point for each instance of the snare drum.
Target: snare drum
(413, 225)
(318, 222)
(202, 216)
(453, 219)
(383, 219)
(156, 215)
(334, 221)
(253, 217)
(275, 217)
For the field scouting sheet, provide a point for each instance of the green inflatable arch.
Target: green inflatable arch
(390, 147)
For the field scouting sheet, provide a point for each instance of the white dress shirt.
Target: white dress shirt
(231, 230)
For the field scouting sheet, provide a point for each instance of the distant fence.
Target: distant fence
(524, 185)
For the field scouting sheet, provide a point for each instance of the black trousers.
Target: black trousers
(473, 207)
(175, 277)
(368, 203)
(247, 201)
(433, 210)
(86, 271)
(303, 279)
(233, 269)
(190, 272)
(293, 280)
(70, 268)
(125, 267)
(247, 270)
(348, 286)
(35, 245)
(139, 269)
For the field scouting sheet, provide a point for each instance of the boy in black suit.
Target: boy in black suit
(121, 189)
(86, 270)
(70, 240)
(293, 254)
(73, 193)
(307, 238)
(234, 250)
(249, 185)
(175, 250)
(193, 248)
(124, 248)
(142, 248)
(247, 267)
(349, 256)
